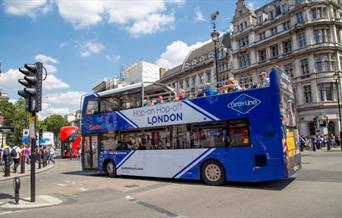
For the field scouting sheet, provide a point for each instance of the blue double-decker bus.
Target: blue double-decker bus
(248, 135)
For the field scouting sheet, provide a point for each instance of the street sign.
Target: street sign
(4, 129)
(32, 122)
(26, 132)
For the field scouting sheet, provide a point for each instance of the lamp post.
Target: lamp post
(215, 36)
(337, 78)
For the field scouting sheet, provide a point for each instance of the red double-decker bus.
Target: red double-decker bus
(70, 141)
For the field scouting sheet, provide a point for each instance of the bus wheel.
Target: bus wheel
(110, 169)
(213, 173)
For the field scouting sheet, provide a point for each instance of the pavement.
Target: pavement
(25, 203)
(27, 171)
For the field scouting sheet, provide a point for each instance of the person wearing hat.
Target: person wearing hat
(265, 81)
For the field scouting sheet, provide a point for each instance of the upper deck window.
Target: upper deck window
(92, 107)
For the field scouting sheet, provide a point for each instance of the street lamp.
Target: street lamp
(215, 36)
(337, 78)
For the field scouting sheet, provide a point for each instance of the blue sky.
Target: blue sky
(81, 42)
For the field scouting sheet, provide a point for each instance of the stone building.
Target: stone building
(198, 67)
(304, 39)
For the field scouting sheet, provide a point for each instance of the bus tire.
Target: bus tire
(213, 173)
(110, 169)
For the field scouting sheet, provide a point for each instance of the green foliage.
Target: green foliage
(15, 116)
(53, 124)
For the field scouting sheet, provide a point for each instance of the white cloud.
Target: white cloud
(132, 16)
(60, 103)
(175, 53)
(71, 97)
(151, 24)
(113, 58)
(252, 4)
(9, 80)
(46, 59)
(199, 15)
(90, 47)
(80, 13)
(135, 17)
(27, 8)
(53, 82)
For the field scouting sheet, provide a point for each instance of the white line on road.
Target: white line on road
(154, 207)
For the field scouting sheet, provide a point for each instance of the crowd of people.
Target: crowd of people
(231, 85)
(318, 142)
(17, 155)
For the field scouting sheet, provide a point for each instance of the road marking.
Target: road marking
(84, 189)
(61, 184)
(11, 211)
(154, 207)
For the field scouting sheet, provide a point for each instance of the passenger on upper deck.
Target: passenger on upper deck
(200, 93)
(159, 100)
(181, 95)
(209, 90)
(232, 86)
(265, 81)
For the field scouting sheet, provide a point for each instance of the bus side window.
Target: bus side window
(92, 107)
(238, 133)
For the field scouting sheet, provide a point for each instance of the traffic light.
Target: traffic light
(33, 86)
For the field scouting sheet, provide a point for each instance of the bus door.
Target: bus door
(90, 152)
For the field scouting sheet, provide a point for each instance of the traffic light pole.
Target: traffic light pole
(32, 124)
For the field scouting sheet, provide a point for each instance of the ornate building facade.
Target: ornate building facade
(304, 39)
(198, 68)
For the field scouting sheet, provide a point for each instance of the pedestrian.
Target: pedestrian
(15, 154)
(52, 153)
(27, 152)
(6, 157)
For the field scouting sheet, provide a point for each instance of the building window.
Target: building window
(300, 17)
(181, 84)
(326, 91)
(301, 40)
(324, 62)
(193, 81)
(284, 8)
(304, 66)
(321, 35)
(319, 13)
(286, 25)
(298, 2)
(208, 75)
(271, 14)
(262, 35)
(274, 30)
(287, 46)
(288, 68)
(201, 79)
(262, 55)
(244, 60)
(187, 83)
(307, 94)
(243, 41)
(274, 51)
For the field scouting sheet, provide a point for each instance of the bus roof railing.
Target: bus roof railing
(136, 86)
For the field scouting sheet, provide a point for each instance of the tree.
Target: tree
(53, 124)
(15, 116)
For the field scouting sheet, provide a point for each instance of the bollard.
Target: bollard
(7, 166)
(22, 164)
(16, 187)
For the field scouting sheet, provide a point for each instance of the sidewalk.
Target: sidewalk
(27, 171)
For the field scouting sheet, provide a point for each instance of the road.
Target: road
(315, 192)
